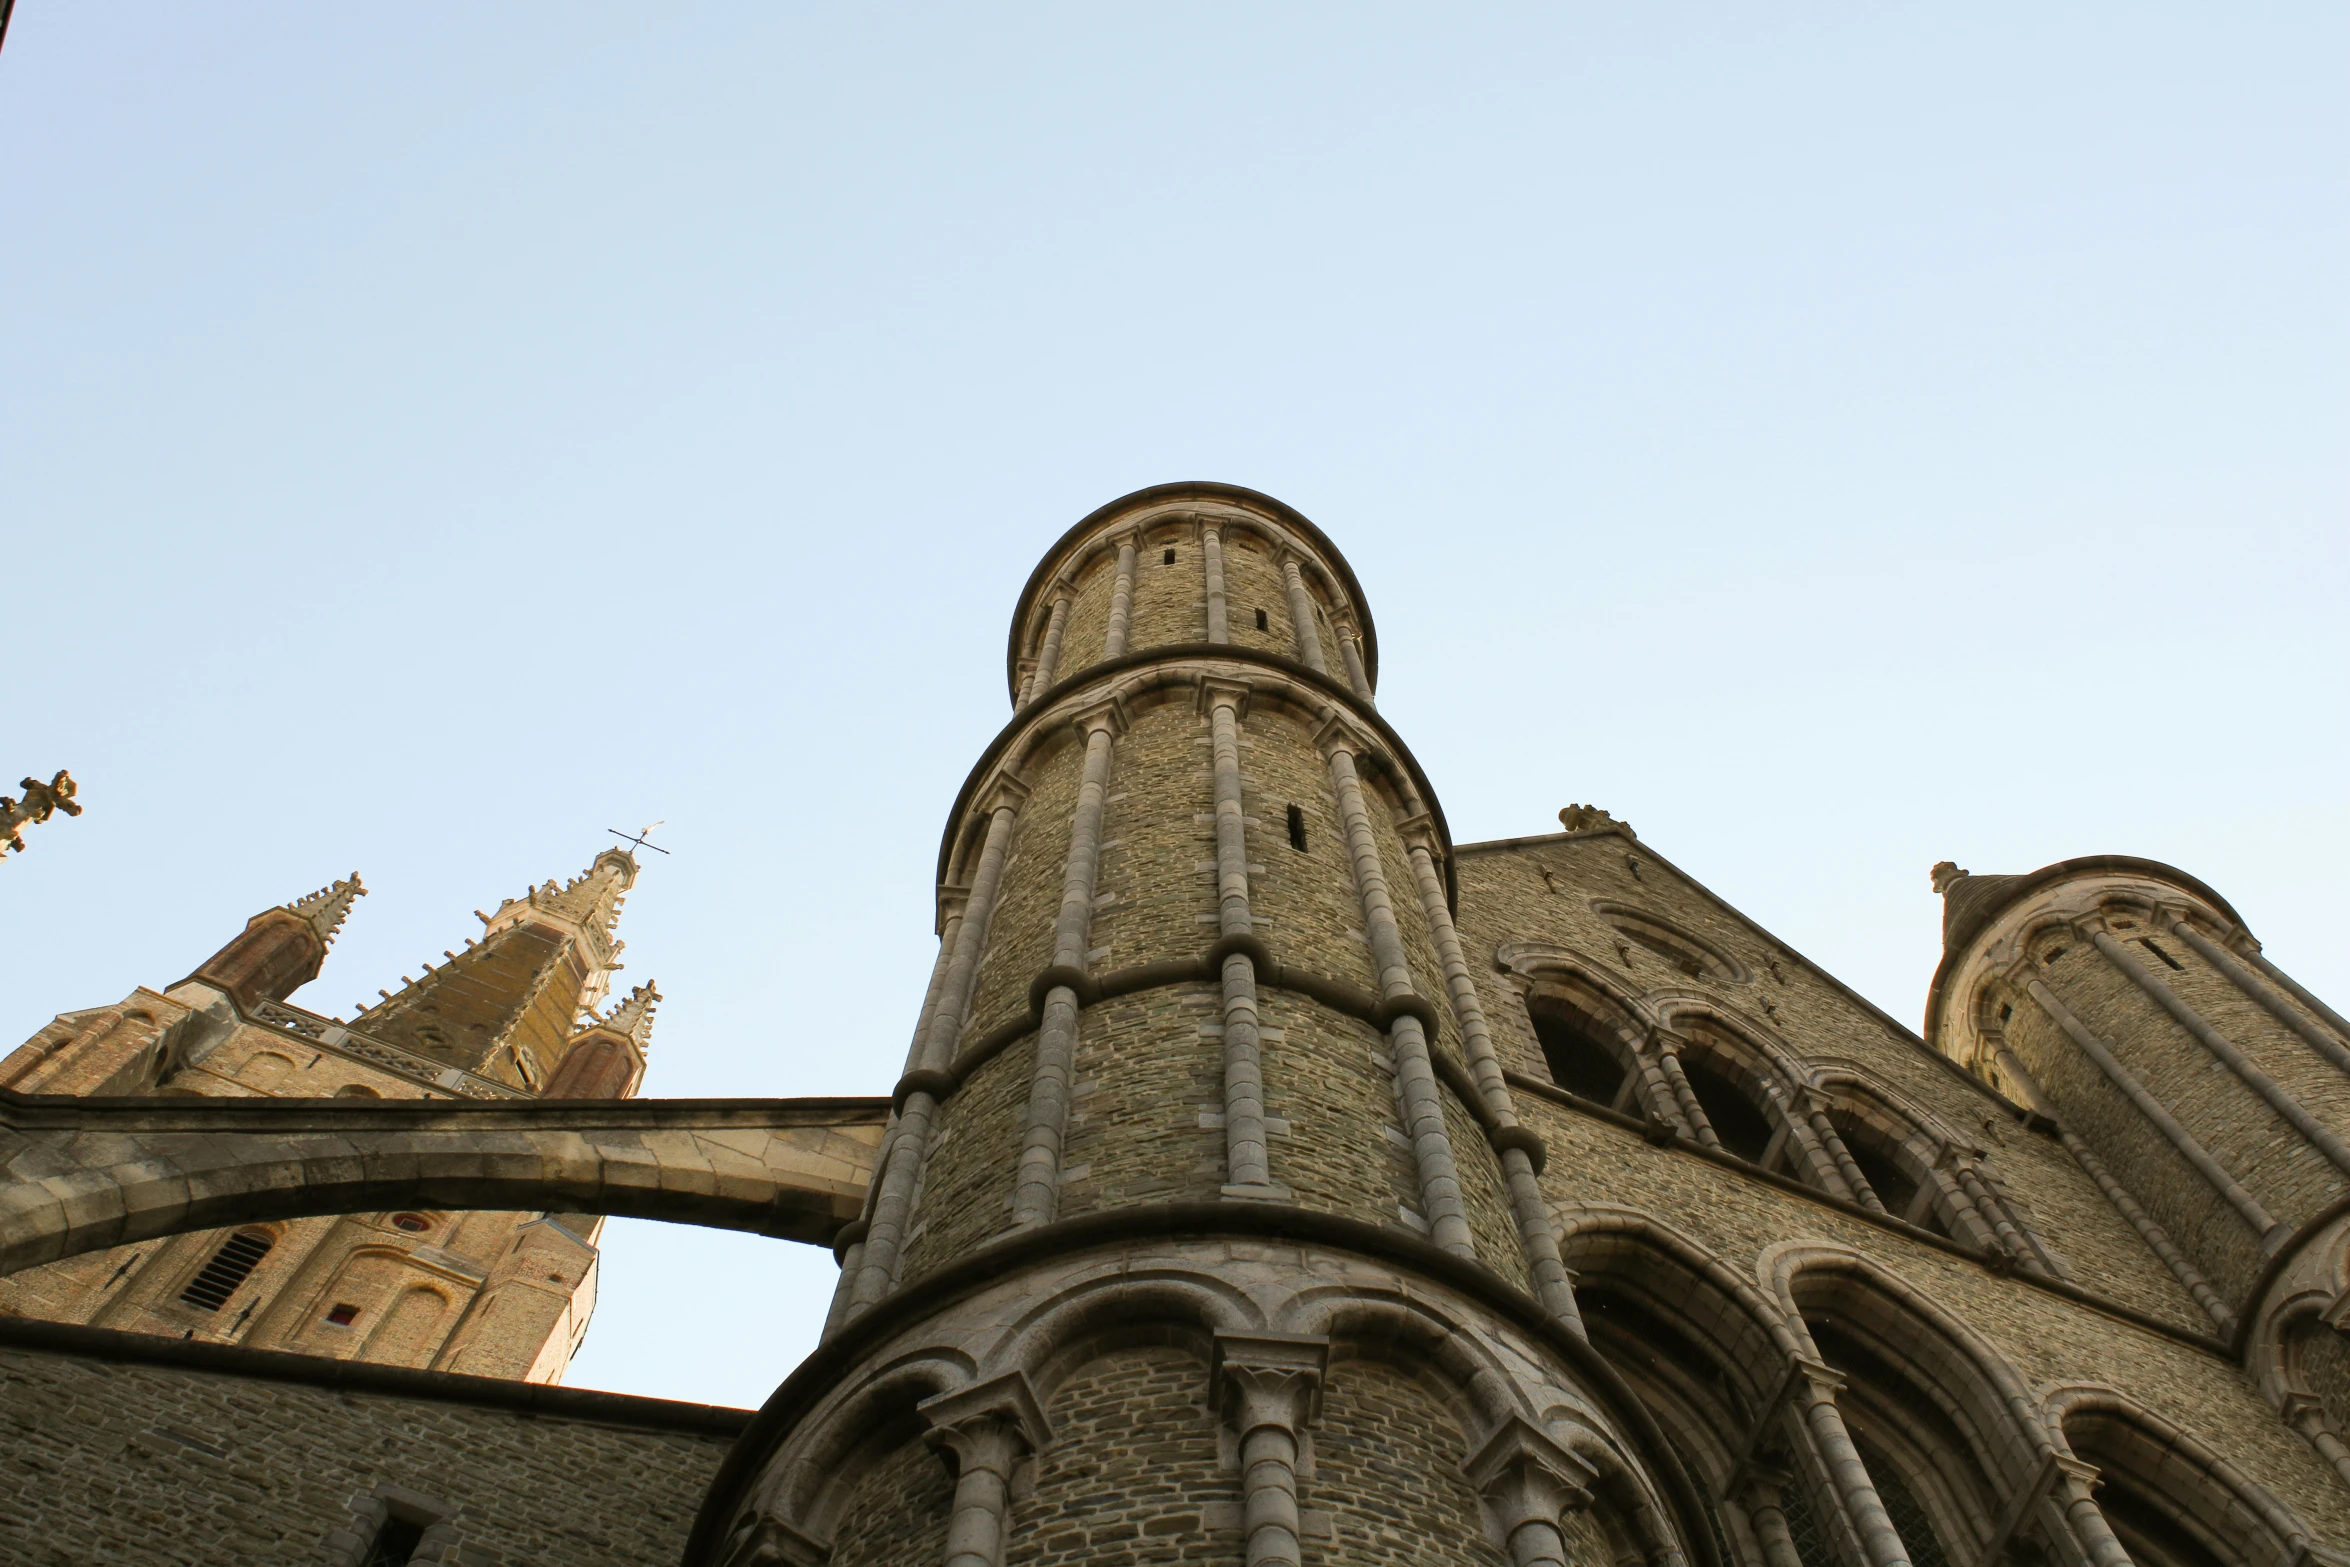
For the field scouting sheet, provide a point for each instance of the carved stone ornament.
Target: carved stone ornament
(1590, 818)
(41, 801)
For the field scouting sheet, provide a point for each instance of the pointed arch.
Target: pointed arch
(1950, 1436)
(1587, 1025)
(2168, 1496)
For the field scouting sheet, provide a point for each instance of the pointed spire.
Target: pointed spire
(329, 906)
(280, 949)
(541, 968)
(633, 1017)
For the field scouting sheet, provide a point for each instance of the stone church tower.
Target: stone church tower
(1271, 1181)
(511, 1017)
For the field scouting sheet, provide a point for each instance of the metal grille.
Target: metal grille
(1803, 1527)
(219, 1278)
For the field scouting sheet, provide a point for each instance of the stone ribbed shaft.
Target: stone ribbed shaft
(1668, 1060)
(2247, 1071)
(1211, 549)
(1048, 654)
(2231, 1191)
(1247, 1162)
(1537, 1235)
(1816, 1394)
(1121, 603)
(1301, 616)
(1038, 1193)
(1350, 649)
(1831, 1140)
(1440, 1183)
(2253, 985)
(894, 1200)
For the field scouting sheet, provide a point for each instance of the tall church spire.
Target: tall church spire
(607, 1057)
(280, 950)
(507, 1005)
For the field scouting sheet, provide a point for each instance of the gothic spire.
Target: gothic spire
(507, 1006)
(633, 1017)
(328, 907)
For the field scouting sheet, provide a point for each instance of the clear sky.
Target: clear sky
(1832, 437)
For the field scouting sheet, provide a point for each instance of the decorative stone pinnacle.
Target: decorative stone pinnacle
(40, 802)
(1590, 818)
(329, 906)
(633, 1016)
(1944, 873)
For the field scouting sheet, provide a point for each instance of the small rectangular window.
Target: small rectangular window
(1261, 622)
(2148, 943)
(343, 1316)
(1167, 559)
(1297, 829)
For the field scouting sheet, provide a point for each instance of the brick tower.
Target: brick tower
(1206, 1214)
(512, 1016)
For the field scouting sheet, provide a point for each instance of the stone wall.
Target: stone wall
(140, 1452)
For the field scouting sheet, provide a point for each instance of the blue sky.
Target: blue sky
(1833, 437)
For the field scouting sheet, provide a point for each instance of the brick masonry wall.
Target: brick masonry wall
(1253, 581)
(1387, 1456)
(966, 1193)
(897, 1516)
(152, 1466)
(1132, 1475)
(1170, 599)
(1153, 900)
(1146, 1102)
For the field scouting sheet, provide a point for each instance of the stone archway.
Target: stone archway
(85, 1174)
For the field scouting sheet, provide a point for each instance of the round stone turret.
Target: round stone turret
(1199, 1097)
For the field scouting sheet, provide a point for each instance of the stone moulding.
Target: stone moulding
(339, 1039)
(987, 1265)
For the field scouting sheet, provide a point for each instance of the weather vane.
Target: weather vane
(639, 839)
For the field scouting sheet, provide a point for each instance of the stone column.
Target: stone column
(2260, 990)
(852, 1238)
(1301, 616)
(922, 1088)
(988, 1428)
(1121, 603)
(2247, 1207)
(1816, 1161)
(1668, 1061)
(1656, 1091)
(1038, 1194)
(1815, 1391)
(1991, 1213)
(1415, 1075)
(1832, 1142)
(1537, 1235)
(1765, 1503)
(2076, 1499)
(2157, 1239)
(1211, 552)
(2305, 1413)
(1350, 650)
(1048, 656)
(1248, 1169)
(1268, 1388)
(1529, 1484)
(2211, 1039)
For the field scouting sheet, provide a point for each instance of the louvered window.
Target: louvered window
(212, 1286)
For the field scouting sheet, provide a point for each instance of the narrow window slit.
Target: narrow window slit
(1167, 559)
(1261, 622)
(1297, 829)
(2148, 943)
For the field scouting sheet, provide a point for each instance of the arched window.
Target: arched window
(1897, 1159)
(226, 1272)
(1727, 1096)
(1584, 1055)
(2169, 1499)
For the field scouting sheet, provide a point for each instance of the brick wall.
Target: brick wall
(135, 1463)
